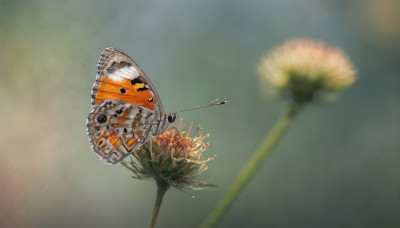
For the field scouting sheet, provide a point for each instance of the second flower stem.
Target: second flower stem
(253, 165)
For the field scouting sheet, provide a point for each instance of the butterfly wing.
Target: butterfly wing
(120, 78)
(117, 128)
(125, 107)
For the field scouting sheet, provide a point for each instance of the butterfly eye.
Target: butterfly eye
(171, 118)
(102, 118)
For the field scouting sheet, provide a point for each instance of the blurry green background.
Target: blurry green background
(337, 167)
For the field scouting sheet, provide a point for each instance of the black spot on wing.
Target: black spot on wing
(136, 80)
(102, 118)
(142, 89)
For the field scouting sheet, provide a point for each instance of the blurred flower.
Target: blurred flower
(303, 68)
(175, 158)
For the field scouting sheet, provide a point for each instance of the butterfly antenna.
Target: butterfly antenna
(212, 103)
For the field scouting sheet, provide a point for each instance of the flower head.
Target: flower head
(175, 158)
(303, 68)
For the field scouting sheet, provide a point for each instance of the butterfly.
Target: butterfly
(126, 108)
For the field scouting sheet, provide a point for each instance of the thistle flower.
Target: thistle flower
(175, 158)
(304, 68)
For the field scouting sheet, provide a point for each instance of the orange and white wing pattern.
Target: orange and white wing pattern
(117, 128)
(120, 78)
(126, 109)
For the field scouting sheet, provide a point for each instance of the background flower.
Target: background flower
(305, 67)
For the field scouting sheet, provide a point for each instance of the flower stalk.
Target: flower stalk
(162, 188)
(253, 165)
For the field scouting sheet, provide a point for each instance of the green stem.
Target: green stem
(253, 165)
(162, 188)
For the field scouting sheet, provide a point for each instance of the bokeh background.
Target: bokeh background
(337, 167)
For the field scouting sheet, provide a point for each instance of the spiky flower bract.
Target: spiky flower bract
(175, 158)
(304, 68)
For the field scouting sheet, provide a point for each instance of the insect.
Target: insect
(126, 108)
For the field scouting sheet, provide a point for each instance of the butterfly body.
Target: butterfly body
(126, 109)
